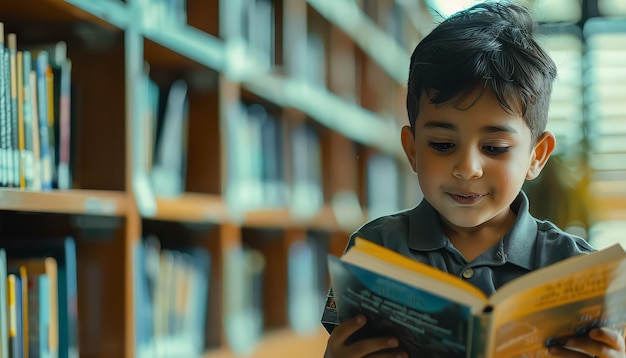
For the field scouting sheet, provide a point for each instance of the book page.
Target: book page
(571, 305)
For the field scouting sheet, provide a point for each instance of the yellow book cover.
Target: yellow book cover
(436, 314)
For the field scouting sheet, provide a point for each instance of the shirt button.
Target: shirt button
(468, 273)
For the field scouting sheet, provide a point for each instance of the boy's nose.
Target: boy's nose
(468, 166)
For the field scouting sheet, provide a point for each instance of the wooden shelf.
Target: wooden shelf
(282, 343)
(203, 208)
(91, 202)
(324, 220)
(191, 207)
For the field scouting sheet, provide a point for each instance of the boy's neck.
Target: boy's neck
(472, 242)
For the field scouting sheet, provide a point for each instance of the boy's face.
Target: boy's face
(471, 162)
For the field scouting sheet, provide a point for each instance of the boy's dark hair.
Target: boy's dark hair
(488, 44)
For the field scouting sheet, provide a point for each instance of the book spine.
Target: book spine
(35, 133)
(72, 298)
(479, 334)
(20, 117)
(42, 97)
(12, 316)
(14, 179)
(4, 329)
(27, 155)
(63, 171)
(44, 316)
(4, 115)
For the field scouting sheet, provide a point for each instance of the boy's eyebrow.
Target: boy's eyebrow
(444, 125)
(499, 128)
(488, 129)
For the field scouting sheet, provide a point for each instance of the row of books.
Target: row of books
(35, 125)
(173, 297)
(270, 165)
(245, 269)
(171, 293)
(38, 298)
(276, 164)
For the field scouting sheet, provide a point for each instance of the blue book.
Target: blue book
(4, 334)
(199, 298)
(44, 315)
(42, 70)
(19, 315)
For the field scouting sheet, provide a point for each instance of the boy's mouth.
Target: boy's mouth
(467, 199)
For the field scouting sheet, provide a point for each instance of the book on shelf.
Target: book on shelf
(21, 308)
(42, 70)
(12, 286)
(5, 110)
(244, 270)
(383, 179)
(169, 169)
(305, 294)
(144, 139)
(12, 127)
(4, 329)
(58, 113)
(307, 197)
(171, 297)
(437, 314)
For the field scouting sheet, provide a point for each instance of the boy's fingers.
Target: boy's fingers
(343, 331)
(368, 347)
(610, 337)
(601, 342)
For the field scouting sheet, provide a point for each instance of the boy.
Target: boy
(478, 95)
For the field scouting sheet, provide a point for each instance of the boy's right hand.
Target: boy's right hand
(370, 348)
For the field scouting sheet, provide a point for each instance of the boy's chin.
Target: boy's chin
(465, 220)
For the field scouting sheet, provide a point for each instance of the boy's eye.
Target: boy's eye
(490, 149)
(441, 146)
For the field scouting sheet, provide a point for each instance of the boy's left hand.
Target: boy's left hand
(601, 343)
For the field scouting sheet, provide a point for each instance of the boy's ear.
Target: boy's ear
(408, 144)
(540, 154)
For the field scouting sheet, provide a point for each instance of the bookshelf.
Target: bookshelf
(281, 126)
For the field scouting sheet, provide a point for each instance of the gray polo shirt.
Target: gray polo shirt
(529, 244)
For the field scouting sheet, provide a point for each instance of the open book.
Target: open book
(436, 314)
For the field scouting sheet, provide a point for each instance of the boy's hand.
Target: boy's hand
(601, 343)
(338, 348)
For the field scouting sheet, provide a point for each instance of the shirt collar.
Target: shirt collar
(426, 234)
(519, 241)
